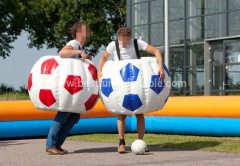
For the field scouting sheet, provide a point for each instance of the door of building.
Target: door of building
(222, 67)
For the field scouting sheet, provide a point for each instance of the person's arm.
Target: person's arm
(155, 51)
(102, 61)
(89, 57)
(68, 51)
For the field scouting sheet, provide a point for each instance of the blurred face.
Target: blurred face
(83, 33)
(124, 41)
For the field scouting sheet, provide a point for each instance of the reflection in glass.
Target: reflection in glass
(157, 36)
(141, 32)
(232, 51)
(176, 9)
(215, 6)
(176, 32)
(178, 85)
(195, 29)
(176, 57)
(232, 77)
(139, 13)
(234, 23)
(217, 65)
(156, 11)
(234, 4)
(195, 7)
(215, 26)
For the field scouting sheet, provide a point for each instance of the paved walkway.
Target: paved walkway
(31, 152)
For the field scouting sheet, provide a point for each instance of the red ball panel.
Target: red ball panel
(73, 84)
(46, 97)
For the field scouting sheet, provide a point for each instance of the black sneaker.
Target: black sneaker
(146, 149)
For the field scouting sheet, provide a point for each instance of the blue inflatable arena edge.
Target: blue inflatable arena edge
(169, 125)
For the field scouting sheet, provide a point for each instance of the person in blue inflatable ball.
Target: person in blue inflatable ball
(127, 48)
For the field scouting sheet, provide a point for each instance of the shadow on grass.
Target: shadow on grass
(193, 145)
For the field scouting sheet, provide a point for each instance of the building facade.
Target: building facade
(204, 39)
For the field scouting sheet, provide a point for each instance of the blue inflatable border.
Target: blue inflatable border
(169, 125)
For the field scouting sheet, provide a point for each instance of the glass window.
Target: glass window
(200, 78)
(138, 1)
(234, 4)
(195, 7)
(176, 9)
(232, 51)
(157, 11)
(217, 77)
(214, 6)
(178, 84)
(176, 57)
(195, 80)
(176, 32)
(232, 77)
(141, 32)
(234, 23)
(139, 13)
(196, 54)
(157, 35)
(216, 53)
(195, 29)
(215, 26)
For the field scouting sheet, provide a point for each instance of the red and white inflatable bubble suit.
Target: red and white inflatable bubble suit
(63, 84)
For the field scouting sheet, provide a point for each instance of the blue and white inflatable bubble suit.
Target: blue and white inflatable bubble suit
(134, 86)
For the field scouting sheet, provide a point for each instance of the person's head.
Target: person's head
(80, 31)
(124, 36)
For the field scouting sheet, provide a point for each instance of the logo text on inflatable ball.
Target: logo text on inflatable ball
(106, 87)
(73, 84)
(157, 85)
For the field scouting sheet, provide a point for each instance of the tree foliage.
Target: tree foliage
(12, 16)
(48, 22)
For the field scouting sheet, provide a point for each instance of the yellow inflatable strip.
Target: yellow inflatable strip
(200, 106)
(25, 110)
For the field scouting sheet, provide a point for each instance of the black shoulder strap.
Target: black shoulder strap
(136, 49)
(118, 50)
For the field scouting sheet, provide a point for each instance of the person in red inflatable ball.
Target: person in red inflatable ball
(64, 121)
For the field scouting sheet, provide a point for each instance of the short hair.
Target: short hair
(124, 31)
(76, 26)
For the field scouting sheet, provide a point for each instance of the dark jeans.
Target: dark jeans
(62, 125)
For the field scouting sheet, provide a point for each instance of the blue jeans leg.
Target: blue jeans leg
(73, 118)
(56, 128)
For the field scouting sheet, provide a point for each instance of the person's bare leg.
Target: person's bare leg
(140, 126)
(121, 132)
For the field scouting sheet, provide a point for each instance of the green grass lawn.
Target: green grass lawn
(13, 96)
(213, 144)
